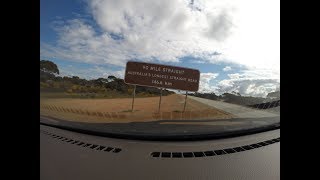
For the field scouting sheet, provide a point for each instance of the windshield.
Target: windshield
(147, 68)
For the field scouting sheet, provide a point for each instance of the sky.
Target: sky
(235, 44)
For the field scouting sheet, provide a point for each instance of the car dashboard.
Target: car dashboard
(67, 154)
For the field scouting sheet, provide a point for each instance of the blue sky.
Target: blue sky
(91, 39)
(52, 10)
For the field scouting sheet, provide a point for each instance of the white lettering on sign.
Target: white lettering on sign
(162, 76)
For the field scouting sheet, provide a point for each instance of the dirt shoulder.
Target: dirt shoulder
(119, 109)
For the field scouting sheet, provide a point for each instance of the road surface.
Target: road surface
(237, 110)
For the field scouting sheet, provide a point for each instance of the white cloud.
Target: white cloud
(245, 32)
(251, 83)
(257, 88)
(257, 83)
(235, 76)
(90, 73)
(166, 30)
(227, 68)
(205, 84)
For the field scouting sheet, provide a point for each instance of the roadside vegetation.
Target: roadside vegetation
(52, 85)
(237, 98)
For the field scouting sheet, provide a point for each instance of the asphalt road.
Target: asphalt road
(237, 110)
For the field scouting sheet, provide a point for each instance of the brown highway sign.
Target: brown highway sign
(157, 75)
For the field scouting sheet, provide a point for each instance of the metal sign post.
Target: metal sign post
(160, 100)
(133, 96)
(185, 101)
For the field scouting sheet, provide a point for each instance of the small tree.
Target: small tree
(49, 66)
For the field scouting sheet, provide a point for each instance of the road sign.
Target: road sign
(163, 76)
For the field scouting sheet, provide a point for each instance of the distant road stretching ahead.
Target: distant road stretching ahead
(237, 110)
